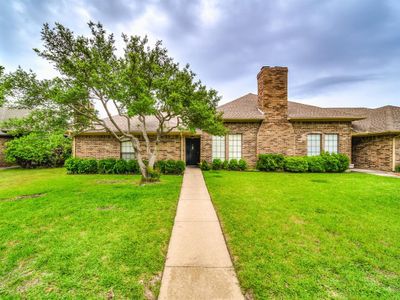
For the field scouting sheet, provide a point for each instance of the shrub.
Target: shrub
(270, 162)
(180, 166)
(217, 164)
(297, 164)
(242, 164)
(153, 175)
(133, 166)
(344, 162)
(397, 169)
(233, 165)
(120, 167)
(171, 166)
(38, 150)
(204, 166)
(225, 165)
(71, 164)
(316, 164)
(87, 166)
(106, 166)
(335, 162)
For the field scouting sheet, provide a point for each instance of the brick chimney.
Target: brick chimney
(272, 93)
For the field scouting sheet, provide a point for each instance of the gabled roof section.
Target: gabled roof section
(8, 113)
(243, 108)
(365, 121)
(299, 111)
(136, 125)
(381, 120)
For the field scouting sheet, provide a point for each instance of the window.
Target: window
(235, 146)
(331, 143)
(127, 151)
(218, 147)
(313, 144)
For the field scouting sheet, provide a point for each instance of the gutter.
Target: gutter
(361, 134)
(325, 119)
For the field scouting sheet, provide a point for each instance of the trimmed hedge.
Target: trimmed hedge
(296, 164)
(326, 162)
(316, 164)
(120, 166)
(335, 162)
(270, 162)
(397, 169)
(204, 166)
(218, 164)
(233, 165)
(242, 165)
(171, 166)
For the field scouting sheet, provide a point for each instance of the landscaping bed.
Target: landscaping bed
(312, 236)
(83, 236)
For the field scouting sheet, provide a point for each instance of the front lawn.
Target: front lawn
(83, 236)
(311, 235)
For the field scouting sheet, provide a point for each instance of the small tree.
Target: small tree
(143, 83)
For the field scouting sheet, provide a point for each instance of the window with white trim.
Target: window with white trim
(218, 147)
(313, 144)
(235, 146)
(331, 143)
(127, 151)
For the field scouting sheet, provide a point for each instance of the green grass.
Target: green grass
(311, 235)
(83, 236)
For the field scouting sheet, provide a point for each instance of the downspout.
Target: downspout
(73, 147)
(394, 154)
(182, 150)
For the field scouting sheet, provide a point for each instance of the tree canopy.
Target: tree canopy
(143, 81)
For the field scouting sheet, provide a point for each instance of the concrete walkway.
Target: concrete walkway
(376, 172)
(198, 264)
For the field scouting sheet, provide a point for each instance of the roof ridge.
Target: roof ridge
(237, 99)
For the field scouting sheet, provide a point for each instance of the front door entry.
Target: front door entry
(192, 151)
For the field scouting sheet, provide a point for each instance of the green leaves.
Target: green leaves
(35, 150)
(93, 78)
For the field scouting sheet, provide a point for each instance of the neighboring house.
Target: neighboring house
(269, 123)
(6, 114)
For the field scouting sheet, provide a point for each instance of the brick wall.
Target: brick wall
(3, 140)
(106, 146)
(276, 134)
(248, 130)
(302, 129)
(273, 93)
(373, 152)
(276, 137)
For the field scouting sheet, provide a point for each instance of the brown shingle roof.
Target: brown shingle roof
(378, 120)
(8, 113)
(245, 108)
(365, 120)
(151, 124)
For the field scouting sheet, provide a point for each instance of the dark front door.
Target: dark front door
(192, 151)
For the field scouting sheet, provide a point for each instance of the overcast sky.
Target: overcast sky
(339, 53)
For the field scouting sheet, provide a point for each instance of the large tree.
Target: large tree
(143, 82)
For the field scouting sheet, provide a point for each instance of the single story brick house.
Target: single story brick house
(269, 123)
(6, 114)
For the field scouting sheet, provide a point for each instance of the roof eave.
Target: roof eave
(255, 120)
(135, 133)
(330, 119)
(388, 132)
